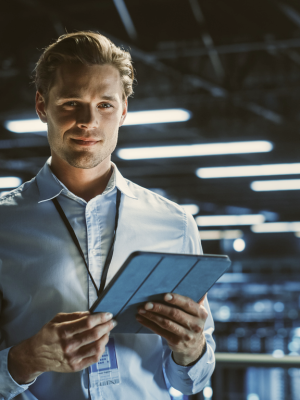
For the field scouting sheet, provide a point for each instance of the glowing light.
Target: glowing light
(239, 245)
(10, 182)
(207, 392)
(266, 186)
(224, 313)
(269, 227)
(191, 208)
(278, 353)
(194, 150)
(174, 392)
(252, 396)
(278, 306)
(226, 220)
(218, 235)
(157, 116)
(259, 306)
(133, 118)
(249, 170)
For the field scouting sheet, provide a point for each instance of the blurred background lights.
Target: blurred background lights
(293, 346)
(266, 186)
(207, 392)
(10, 182)
(218, 235)
(194, 150)
(253, 396)
(276, 227)
(239, 245)
(157, 116)
(259, 306)
(26, 126)
(133, 118)
(278, 353)
(175, 393)
(226, 220)
(191, 208)
(278, 306)
(249, 170)
(224, 313)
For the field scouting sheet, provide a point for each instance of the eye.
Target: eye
(71, 103)
(105, 105)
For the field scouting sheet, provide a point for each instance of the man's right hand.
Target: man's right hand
(68, 343)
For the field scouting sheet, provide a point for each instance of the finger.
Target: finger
(169, 336)
(87, 322)
(64, 317)
(90, 336)
(172, 313)
(88, 355)
(168, 325)
(94, 348)
(183, 302)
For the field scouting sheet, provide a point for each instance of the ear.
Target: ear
(40, 107)
(124, 112)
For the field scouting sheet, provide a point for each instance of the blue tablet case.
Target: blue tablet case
(147, 276)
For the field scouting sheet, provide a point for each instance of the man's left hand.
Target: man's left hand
(182, 325)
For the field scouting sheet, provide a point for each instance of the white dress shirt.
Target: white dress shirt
(42, 274)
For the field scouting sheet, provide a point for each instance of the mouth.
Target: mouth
(86, 142)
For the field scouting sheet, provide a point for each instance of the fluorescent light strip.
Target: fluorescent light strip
(191, 208)
(267, 186)
(133, 118)
(157, 116)
(218, 235)
(194, 150)
(227, 220)
(9, 182)
(276, 227)
(248, 170)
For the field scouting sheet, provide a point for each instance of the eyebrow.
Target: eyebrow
(77, 96)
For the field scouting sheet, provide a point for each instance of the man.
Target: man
(50, 344)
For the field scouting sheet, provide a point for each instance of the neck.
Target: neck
(84, 183)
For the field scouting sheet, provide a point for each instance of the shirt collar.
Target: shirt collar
(50, 186)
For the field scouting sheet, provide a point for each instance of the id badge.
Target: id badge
(105, 371)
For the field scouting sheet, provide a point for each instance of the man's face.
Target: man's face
(84, 111)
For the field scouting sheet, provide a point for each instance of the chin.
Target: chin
(85, 162)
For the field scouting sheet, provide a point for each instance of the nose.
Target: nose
(87, 118)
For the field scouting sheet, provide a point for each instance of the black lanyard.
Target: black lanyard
(75, 240)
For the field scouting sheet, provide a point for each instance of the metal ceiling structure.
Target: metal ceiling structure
(234, 64)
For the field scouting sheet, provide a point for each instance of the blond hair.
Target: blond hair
(88, 48)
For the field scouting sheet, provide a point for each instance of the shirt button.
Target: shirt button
(94, 252)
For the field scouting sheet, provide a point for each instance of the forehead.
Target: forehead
(86, 80)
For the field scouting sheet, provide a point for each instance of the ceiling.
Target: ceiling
(234, 64)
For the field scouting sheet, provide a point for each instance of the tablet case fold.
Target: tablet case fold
(147, 276)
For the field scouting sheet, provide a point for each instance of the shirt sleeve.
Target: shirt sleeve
(9, 388)
(192, 379)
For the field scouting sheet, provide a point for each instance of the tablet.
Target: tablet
(147, 276)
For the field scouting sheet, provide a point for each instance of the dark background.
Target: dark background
(235, 64)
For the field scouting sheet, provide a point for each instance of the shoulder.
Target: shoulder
(18, 196)
(154, 201)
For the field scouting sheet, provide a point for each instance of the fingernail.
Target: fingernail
(114, 323)
(168, 297)
(108, 316)
(142, 311)
(148, 306)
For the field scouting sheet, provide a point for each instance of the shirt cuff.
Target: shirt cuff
(9, 388)
(191, 379)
